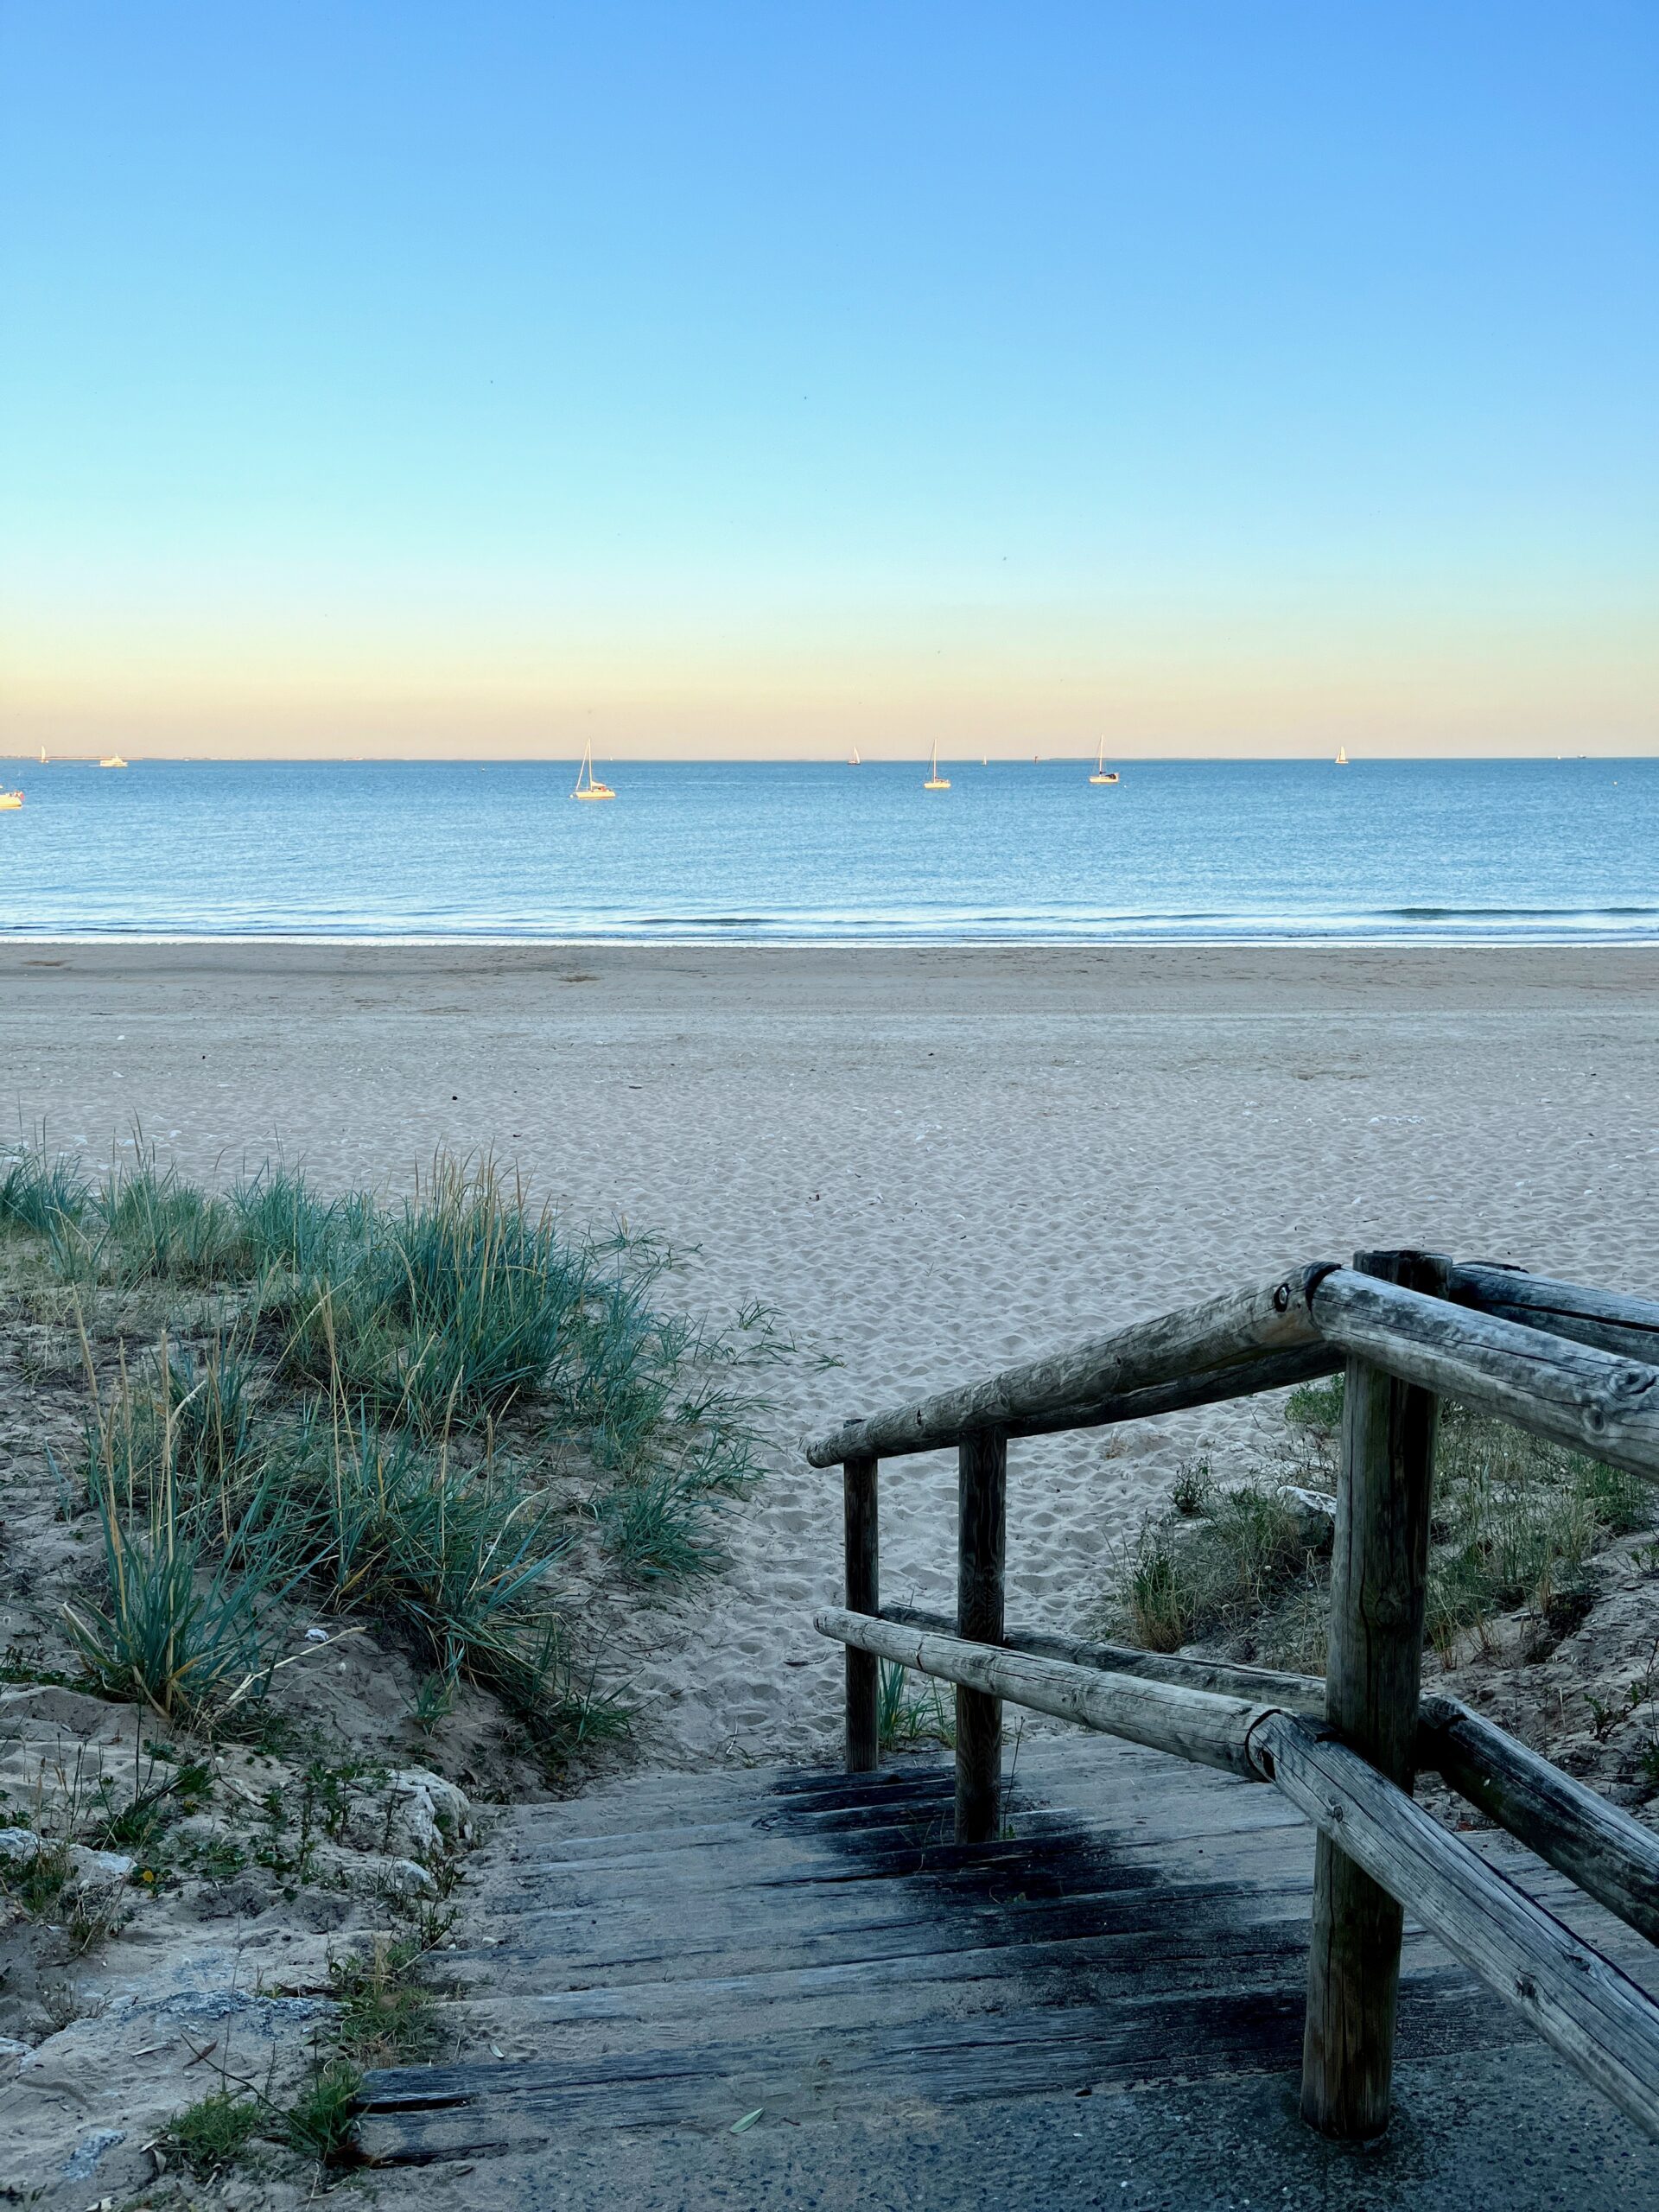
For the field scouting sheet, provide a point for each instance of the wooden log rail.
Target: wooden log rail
(1574, 1364)
(1611, 1856)
(1254, 1341)
(1578, 2001)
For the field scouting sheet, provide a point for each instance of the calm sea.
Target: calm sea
(1018, 851)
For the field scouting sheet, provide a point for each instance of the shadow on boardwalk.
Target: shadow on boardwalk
(1103, 2007)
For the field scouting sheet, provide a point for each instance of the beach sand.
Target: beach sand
(929, 1162)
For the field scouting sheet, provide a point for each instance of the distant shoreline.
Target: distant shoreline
(735, 940)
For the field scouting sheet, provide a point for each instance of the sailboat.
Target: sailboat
(936, 782)
(592, 788)
(1342, 756)
(1102, 774)
(853, 760)
(42, 756)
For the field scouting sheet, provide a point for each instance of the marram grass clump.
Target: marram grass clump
(414, 1412)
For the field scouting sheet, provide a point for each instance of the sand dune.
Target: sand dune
(930, 1163)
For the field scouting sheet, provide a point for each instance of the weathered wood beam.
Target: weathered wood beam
(1598, 2020)
(981, 1544)
(1612, 1858)
(1607, 1318)
(1260, 1685)
(1592, 2014)
(1189, 1724)
(1280, 1370)
(1552, 1386)
(1072, 1388)
(863, 1590)
(1379, 1580)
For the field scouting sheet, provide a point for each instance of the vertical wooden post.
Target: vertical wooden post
(981, 1522)
(1373, 1676)
(863, 1596)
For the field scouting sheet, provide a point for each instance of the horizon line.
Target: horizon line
(797, 760)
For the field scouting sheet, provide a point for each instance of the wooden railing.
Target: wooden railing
(1573, 1364)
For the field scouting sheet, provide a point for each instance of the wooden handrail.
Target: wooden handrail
(1260, 1685)
(1597, 2017)
(1234, 1346)
(1577, 1366)
(1556, 1387)
(1089, 1383)
(1607, 1318)
(1576, 1998)
(1196, 1724)
(1612, 1858)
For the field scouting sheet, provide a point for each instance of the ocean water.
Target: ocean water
(1018, 851)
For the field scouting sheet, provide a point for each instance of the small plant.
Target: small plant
(653, 1527)
(434, 1699)
(136, 1826)
(321, 2122)
(42, 1193)
(212, 2134)
(1316, 1405)
(38, 1885)
(1604, 1718)
(157, 1227)
(190, 1415)
(386, 2013)
(1234, 1562)
(96, 1913)
(1193, 1488)
(1516, 1524)
(1159, 1597)
(177, 1633)
(910, 1715)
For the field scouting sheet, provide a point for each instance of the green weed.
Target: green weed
(212, 2134)
(387, 2016)
(909, 1712)
(321, 2124)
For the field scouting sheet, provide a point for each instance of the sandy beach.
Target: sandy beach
(928, 1162)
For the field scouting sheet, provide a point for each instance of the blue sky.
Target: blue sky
(731, 378)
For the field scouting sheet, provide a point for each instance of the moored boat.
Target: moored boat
(1102, 774)
(592, 788)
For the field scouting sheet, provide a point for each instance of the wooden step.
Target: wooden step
(678, 1951)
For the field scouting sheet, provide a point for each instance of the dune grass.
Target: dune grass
(383, 1409)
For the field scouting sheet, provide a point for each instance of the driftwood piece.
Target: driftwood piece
(981, 1541)
(1611, 1856)
(1379, 1579)
(1590, 1400)
(863, 1596)
(1074, 1390)
(1607, 1318)
(1598, 2020)
(1167, 1717)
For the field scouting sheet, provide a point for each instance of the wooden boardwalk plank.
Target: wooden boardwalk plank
(684, 1949)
